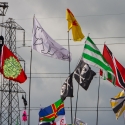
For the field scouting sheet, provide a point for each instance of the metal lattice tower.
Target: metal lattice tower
(10, 112)
(3, 8)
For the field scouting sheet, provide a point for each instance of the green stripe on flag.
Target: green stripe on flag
(88, 39)
(93, 56)
(58, 103)
(92, 49)
(48, 119)
(97, 61)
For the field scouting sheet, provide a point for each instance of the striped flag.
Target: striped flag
(118, 104)
(117, 68)
(93, 56)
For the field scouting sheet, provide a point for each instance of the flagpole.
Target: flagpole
(30, 80)
(98, 101)
(69, 74)
(30, 87)
(123, 116)
(76, 101)
(76, 104)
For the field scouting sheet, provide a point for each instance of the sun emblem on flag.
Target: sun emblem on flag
(11, 68)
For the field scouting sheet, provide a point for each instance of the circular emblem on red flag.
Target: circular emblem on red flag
(11, 68)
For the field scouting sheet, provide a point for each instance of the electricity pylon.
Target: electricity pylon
(3, 8)
(10, 112)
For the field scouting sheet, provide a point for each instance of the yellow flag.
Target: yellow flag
(120, 94)
(118, 104)
(74, 25)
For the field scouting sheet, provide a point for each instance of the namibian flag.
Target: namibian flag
(51, 112)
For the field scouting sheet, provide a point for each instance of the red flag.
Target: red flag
(11, 67)
(24, 116)
(118, 69)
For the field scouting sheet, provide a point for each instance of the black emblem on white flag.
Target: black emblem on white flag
(83, 74)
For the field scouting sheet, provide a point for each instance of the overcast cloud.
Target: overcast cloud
(100, 18)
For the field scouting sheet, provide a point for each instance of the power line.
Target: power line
(78, 110)
(47, 73)
(81, 108)
(112, 37)
(84, 16)
(90, 110)
(52, 77)
(83, 44)
(51, 73)
(69, 107)
(72, 110)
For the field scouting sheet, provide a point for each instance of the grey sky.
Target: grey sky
(100, 18)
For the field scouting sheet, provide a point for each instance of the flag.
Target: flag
(117, 68)
(11, 67)
(17, 121)
(61, 121)
(1, 45)
(79, 122)
(124, 114)
(74, 25)
(83, 74)
(46, 123)
(67, 88)
(93, 56)
(24, 116)
(118, 104)
(24, 101)
(51, 112)
(44, 44)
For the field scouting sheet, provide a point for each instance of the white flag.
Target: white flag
(61, 121)
(79, 122)
(45, 45)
